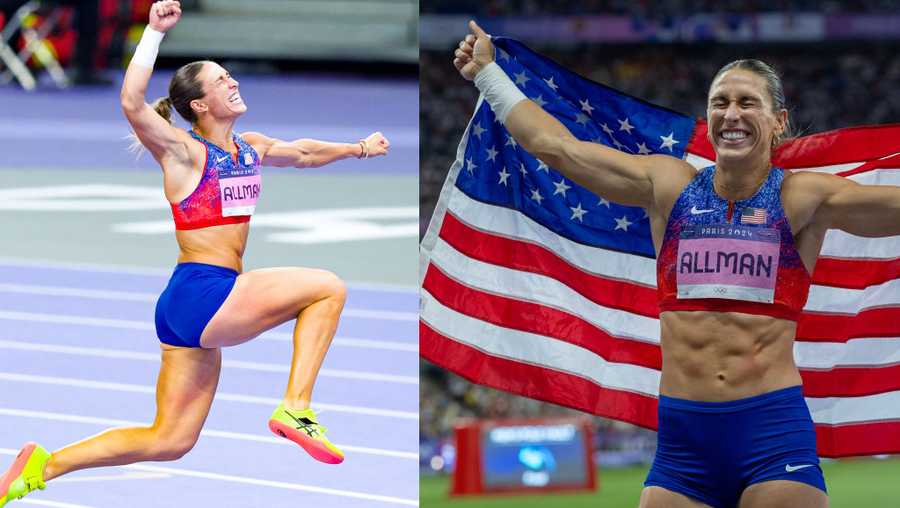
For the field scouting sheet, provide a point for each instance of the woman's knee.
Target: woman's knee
(334, 287)
(172, 446)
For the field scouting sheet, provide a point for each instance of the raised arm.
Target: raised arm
(833, 202)
(311, 153)
(159, 136)
(620, 177)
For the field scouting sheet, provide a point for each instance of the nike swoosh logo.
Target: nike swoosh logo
(790, 469)
(694, 210)
(220, 159)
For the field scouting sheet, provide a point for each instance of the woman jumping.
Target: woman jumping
(211, 178)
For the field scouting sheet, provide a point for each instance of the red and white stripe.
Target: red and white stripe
(509, 304)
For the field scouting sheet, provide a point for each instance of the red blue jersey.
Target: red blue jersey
(228, 189)
(726, 256)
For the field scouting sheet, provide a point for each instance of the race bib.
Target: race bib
(726, 261)
(239, 189)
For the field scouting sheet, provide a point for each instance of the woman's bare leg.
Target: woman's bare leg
(312, 336)
(184, 392)
(658, 497)
(264, 299)
(783, 493)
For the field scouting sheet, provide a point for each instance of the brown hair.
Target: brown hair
(163, 106)
(773, 87)
(183, 88)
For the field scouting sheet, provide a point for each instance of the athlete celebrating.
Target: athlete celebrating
(212, 180)
(736, 243)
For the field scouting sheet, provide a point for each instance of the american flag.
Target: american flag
(533, 285)
(751, 215)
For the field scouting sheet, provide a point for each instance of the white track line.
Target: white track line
(55, 504)
(68, 319)
(99, 294)
(49, 264)
(250, 481)
(231, 397)
(233, 364)
(113, 477)
(239, 436)
(133, 296)
(360, 343)
(274, 484)
(166, 272)
(383, 315)
(76, 320)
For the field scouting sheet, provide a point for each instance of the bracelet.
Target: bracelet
(146, 50)
(364, 149)
(498, 90)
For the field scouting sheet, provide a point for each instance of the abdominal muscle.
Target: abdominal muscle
(721, 356)
(216, 245)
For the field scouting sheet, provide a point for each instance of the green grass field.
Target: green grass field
(851, 484)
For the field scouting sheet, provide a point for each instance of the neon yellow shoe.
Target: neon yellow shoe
(303, 428)
(25, 475)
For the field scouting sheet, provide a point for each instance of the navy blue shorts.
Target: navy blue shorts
(712, 451)
(194, 294)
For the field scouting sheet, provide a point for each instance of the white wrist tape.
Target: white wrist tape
(145, 53)
(498, 90)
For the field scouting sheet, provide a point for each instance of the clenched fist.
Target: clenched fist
(377, 144)
(164, 15)
(474, 52)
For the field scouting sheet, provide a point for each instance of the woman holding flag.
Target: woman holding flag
(735, 244)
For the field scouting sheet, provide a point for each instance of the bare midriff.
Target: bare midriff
(217, 245)
(721, 356)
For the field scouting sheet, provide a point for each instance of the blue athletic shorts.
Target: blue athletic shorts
(712, 451)
(194, 294)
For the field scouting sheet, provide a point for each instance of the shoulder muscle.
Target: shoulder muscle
(260, 142)
(804, 193)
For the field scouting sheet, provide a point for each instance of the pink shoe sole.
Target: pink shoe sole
(16, 469)
(316, 449)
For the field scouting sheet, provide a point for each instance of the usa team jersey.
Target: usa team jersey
(228, 190)
(726, 256)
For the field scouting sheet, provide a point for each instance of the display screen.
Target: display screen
(533, 456)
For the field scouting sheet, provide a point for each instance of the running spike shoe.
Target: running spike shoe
(302, 427)
(25, 475)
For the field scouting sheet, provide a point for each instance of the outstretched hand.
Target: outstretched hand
(164, 15)
(377, 144)
(474, 53)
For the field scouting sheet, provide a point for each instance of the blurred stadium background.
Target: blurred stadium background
(840, 63)
(87, 245)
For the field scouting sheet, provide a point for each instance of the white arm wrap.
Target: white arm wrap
(145, 53)
(498, 90)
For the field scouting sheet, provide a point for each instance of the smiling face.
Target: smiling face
(222, 98)
(743, 123)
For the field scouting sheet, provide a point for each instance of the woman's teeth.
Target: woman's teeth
(734, 135)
